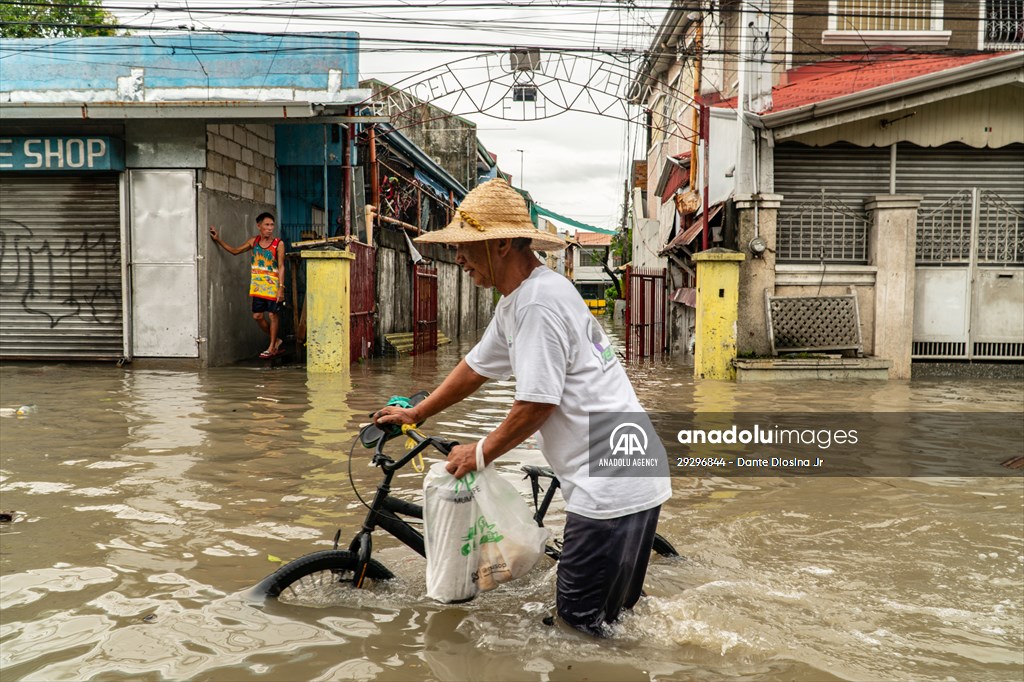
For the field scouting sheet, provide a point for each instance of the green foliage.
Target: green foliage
(622, 245)
(56, 19)
(610, 296)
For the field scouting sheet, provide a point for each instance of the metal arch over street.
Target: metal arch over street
(528, 84)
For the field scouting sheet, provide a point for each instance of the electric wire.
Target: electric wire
(619, 40)
(351, 479)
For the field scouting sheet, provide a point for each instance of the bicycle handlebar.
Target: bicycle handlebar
(443, 445)
(376, 437)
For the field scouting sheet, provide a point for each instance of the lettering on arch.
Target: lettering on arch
(493, 84)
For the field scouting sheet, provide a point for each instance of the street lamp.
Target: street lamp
(522, 155)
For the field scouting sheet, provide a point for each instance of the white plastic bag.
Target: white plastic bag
(479, 533)
(448, 510)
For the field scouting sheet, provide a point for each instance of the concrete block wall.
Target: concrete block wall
(239, 183)
(240, 161)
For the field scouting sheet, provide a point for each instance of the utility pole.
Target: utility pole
(755, 92)
(698, 52)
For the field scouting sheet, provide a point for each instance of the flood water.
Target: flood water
(147, 501)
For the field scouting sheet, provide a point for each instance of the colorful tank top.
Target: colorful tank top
(264, 280)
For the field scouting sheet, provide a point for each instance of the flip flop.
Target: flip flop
(267, 354)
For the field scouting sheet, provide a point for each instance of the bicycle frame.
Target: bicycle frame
(384, 509)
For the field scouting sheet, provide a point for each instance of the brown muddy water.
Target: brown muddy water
(147, 501)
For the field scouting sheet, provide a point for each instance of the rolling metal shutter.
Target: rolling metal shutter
(822, 213)
(940, 173)
(60, 267)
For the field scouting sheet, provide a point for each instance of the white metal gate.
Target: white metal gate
(164, 283)
(969, 280)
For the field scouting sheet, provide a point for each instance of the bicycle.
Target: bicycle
(312, 572)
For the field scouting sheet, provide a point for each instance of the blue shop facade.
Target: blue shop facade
(116, 156)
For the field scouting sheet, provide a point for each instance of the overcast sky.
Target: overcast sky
(575, 164)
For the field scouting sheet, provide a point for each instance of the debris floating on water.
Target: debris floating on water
(17, 411)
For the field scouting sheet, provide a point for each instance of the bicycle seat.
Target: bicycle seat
(541, 472)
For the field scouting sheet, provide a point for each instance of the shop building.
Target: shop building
(117, 154)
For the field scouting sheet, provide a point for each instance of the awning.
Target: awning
(685, 295)
(691, 232)
(675, 174)
(537, 209)
(430, 172)
(440, 190)
(677, 178)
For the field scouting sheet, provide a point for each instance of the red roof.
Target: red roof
(853, 73)
(593, 238)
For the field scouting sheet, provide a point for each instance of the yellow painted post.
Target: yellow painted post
(718, 283)
(328, 309)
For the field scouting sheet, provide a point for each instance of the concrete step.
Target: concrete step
(401, 342)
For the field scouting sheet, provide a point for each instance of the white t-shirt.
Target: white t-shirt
(544, 334)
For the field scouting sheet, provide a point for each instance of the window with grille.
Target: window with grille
(1004, 25)
(872, 22)
(885, 15)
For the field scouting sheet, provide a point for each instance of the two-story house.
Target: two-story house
(875, 145)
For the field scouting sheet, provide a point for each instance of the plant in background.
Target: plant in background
(612, 294)
(619, 252)
(622, 246)
(56, 19)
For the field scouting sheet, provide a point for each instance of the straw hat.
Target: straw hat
(492, 210)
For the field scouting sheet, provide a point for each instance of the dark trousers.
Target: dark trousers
(602, 567)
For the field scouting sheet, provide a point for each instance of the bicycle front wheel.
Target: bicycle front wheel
(315, 577)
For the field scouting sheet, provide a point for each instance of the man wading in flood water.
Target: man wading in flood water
(544, 334)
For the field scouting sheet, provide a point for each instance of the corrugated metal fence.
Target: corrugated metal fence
(424, 306)
(645, 312)
(363, 300)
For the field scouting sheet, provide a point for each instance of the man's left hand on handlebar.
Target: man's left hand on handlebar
(396, 415)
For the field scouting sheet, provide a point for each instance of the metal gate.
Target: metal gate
(645, 312)
(60, 267)
(164, 278)
(363, 300)
(969, 280)
(424, 309)
(822, 218)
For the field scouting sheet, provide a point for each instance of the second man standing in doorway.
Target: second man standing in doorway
(266, 285)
